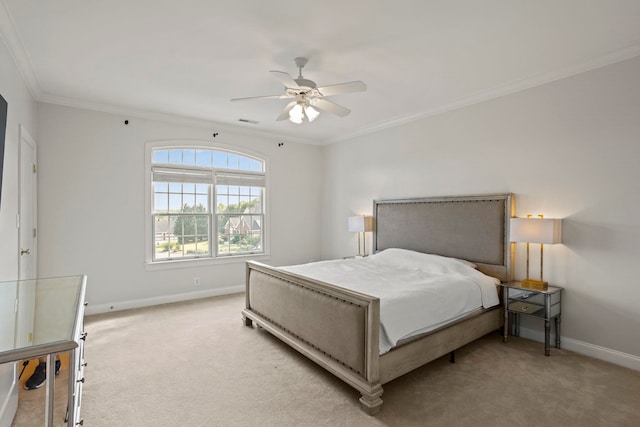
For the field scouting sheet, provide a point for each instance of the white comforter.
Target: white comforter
(418, 292)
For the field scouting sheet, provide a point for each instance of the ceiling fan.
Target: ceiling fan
(307, 97)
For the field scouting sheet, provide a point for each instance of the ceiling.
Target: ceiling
(418, 57)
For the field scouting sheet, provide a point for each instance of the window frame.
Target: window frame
(213, 257)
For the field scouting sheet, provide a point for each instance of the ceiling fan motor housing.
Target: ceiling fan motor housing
(306, 84)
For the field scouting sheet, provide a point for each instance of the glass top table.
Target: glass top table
(42, 317)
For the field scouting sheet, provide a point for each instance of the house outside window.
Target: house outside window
(206, 203)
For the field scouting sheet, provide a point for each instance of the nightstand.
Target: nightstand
(543, 304)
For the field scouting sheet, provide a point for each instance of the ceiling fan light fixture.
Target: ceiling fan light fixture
(305, 95)
(296, 114)
(311, 113)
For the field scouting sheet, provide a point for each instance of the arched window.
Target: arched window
(206, 203)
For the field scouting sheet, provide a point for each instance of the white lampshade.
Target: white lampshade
(311, 113)
(296, 114)
(359, 224)
(536, 230)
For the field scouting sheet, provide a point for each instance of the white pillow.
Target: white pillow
(465, 262)
(420, 261)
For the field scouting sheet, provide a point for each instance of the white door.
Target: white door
(17, 327)
(28, 234)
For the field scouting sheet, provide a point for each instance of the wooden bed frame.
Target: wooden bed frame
(339, 329)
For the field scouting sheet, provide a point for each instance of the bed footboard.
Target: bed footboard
(335, 327)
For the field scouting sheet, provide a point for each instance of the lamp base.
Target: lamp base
(537, 285)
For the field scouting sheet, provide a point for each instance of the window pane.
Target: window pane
(181, 236)
(232, 162)
(188, 202)
(160, 156)
(175, 187)
(188, 188)
(219, 159)
(203, 158)
(202, 203)
(189, 157)
(233, 203)
(239, 234)
(160, 203)
(175, 202)
(221, 203)
(256, 223)
(166, 246)
(175, 157)
(161, 187)
(202, 189)
(244, 163)
(255, 166)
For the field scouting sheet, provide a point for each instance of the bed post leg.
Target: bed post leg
(246, 321)
(371, 403)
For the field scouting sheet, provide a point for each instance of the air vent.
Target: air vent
(253, 122)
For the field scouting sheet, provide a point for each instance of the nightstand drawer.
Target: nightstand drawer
(524, 307)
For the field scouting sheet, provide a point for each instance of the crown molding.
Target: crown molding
(14, 44)
(502, 90)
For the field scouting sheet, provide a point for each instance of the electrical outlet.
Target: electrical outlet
(196, 281)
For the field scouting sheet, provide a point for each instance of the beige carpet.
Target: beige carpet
(195, 364)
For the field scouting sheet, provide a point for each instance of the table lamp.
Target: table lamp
(361, 224)
(540, 230)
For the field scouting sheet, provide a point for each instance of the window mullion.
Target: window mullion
(214, 220)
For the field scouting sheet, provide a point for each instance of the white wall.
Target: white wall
(21, 111)
(92, 212)
(568, 149)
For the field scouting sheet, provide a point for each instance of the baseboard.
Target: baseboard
(608, 355)
(164, 299)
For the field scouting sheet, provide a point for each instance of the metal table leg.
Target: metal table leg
(547, 332)
(547, 323)
(51, 383)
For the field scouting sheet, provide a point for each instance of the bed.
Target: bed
(340, 328)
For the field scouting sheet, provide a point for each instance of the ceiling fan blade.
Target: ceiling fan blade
(330, 107)
(285, 113)
(330, 90)
(285, 79)
(262, 97)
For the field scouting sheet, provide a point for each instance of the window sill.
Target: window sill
(201, 262)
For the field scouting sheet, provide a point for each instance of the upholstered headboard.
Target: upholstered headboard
(474, 228)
